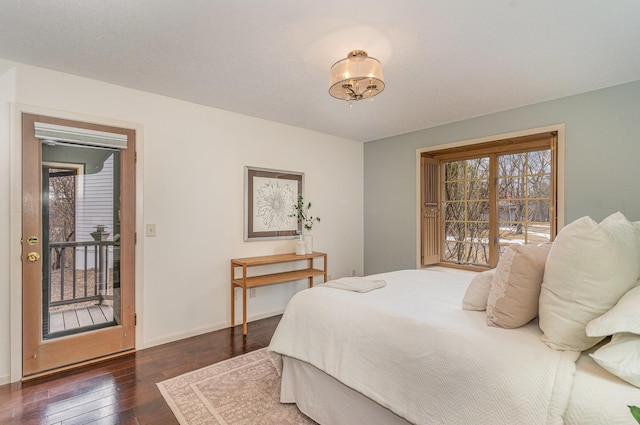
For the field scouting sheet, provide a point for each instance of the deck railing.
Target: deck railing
(83, 272)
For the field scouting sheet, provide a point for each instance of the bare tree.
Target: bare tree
(524, 193)
(467, 210)
(62, 209)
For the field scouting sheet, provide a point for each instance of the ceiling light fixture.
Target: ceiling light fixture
(355, 78)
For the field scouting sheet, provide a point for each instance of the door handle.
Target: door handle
(33, 257)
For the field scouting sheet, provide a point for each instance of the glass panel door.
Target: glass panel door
(78, 246)
(80, 205)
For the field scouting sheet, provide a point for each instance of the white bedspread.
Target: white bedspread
(599, 397)
(411, 348)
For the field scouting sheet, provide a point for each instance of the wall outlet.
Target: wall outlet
(252, 292)
(353, 272)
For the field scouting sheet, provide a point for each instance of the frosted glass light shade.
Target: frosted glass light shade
(357, 77)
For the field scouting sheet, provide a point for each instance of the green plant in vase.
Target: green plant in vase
(302, 214)
(635, 411)
(306, 220)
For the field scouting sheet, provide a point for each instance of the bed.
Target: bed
(407, 353)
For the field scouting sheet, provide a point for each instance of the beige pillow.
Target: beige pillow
(590, 267)
(478, 291)
(515, 290)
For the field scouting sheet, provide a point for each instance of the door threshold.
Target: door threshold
(76, 365)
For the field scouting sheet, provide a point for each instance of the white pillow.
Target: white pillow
(624, 317)
(478, 291)
(515, 290)
(621, 357)
(590, 266)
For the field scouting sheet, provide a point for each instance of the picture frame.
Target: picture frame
(269, 199)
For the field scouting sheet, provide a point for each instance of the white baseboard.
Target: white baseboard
(213, 327)
(5, 379)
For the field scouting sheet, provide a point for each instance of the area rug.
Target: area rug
(243, 390)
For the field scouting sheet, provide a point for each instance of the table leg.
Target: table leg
(244, 310)
(233, 298)
(325, 267)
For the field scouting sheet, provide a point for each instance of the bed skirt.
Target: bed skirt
(327, 396)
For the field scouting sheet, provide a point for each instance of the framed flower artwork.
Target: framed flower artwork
(269, 199)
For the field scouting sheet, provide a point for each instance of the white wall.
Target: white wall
(192, 162)
(7, 94)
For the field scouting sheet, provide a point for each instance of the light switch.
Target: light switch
(151, 231)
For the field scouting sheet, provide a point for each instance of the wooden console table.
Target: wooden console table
(245, 281)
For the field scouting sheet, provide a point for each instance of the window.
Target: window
(477, 200)
(525, 197)
(466, 211)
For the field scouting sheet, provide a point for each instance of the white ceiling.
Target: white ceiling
(443, 61)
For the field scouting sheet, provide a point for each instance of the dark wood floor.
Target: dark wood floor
(123, 390)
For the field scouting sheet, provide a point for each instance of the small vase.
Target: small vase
(308, 244)
(300, 249)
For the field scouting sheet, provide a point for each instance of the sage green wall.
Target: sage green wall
(602, 166)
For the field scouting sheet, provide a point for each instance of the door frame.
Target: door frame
(17, 110)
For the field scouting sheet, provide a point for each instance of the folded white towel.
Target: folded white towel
(356, 284)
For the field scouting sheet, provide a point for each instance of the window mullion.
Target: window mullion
(465, 236)
(525, 219)
(494, 217)
(553, 211)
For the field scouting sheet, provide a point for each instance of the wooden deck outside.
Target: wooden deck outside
(80, 317)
